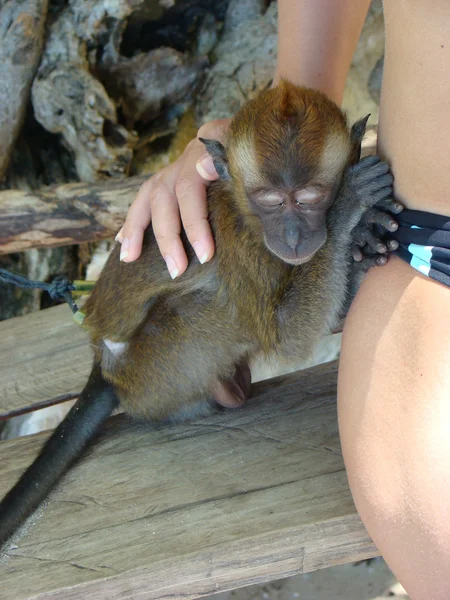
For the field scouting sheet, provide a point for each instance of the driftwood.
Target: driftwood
(68, 100)
(245, 60)
(66, 214)
(21, 38)
(91, 94)
(147, 85)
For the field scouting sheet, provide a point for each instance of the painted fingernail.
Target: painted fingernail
(124, 249)
(119, 236)
(201, 253)
(171, 266)
(205, 167)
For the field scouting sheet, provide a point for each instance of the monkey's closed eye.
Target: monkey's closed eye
(270, 200)
(310, 195)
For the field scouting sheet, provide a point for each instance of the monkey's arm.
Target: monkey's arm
(365, 184)
(125, 292)
(321, 285)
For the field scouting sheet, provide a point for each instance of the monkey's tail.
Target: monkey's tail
(70, 438)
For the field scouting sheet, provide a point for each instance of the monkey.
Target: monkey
(291, 190)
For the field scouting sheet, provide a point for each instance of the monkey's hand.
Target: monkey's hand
(365, 184)
(370, 238)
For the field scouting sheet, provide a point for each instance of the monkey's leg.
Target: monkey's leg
(125, 292)
(176, 358)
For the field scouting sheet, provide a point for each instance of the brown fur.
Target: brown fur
(186, 333)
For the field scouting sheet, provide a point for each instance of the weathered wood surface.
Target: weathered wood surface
(44, 358)
(65, 214)
(75, 213)
(21, 40)
(183, 511)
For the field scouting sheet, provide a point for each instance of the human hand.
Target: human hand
(178, 190)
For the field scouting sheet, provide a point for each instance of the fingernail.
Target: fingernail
(171, 266)
(201, 253)
(205, 167)
(124, 249)
(119, 236)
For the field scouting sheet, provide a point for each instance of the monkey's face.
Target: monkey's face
(285, 156)
(293, 220)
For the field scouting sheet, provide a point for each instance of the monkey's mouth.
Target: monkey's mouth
(296, 257)
(300, 260)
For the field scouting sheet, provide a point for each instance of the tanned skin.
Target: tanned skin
(291, 192)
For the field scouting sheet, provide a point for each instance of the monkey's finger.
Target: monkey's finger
(374, 261)
(378, 217)
(373, 174)
(370, 163)
(370, 168)
(380, 193)
(357, 253)
(390, 205)
(361, 236)
(392, 245)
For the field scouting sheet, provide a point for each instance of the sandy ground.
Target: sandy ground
(371, 580)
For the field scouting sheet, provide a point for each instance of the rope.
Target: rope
(59, 289)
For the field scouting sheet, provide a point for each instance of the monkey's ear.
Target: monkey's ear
(357, 133)
(359, 129)
(219, 155)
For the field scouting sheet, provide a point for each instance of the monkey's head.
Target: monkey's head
(285, 155)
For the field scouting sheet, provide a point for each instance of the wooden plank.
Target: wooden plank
(44, 358)
(182, 511)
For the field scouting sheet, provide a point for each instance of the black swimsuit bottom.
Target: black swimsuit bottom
(424, 240)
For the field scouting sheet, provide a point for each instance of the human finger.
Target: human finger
(190, 190)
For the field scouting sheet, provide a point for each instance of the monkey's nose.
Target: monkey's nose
(291, 237)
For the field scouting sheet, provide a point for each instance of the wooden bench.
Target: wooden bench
(176, 511)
